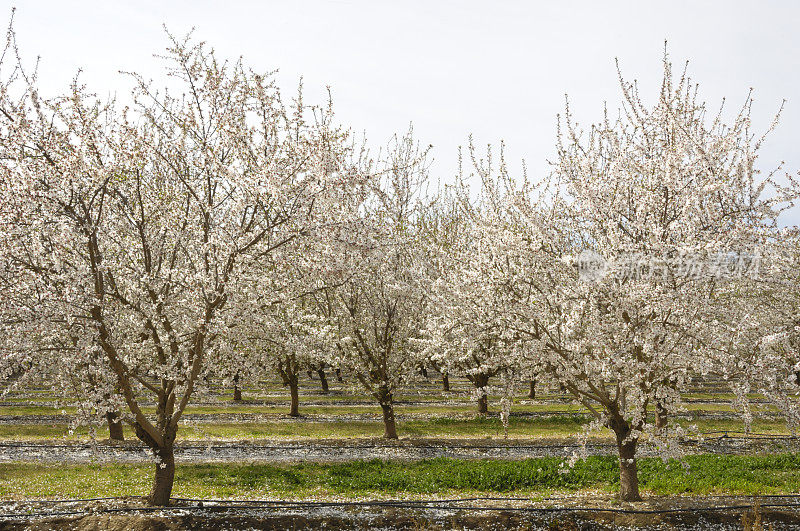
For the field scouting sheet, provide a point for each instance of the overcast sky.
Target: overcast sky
(497, 69)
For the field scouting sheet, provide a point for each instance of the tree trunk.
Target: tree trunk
(480, 381)
(165, 476)
(445, 382)
(386, 402)
(532, 390)
(237, 391)
(310, 374)
(323, 379)
(628, 471)
(483, 404)
(628, 474)
(339, 375)
(115, 432)
(293, 389)
(423, 371)
(389, 425)
(661, 416)
(165, 460)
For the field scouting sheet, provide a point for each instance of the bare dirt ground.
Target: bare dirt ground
(572, 513)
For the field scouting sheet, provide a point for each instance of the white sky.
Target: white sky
(497, 69)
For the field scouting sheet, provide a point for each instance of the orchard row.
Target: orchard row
(222, 230)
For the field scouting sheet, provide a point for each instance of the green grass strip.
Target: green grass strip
(705, 474)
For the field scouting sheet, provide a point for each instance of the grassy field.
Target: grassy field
(775, 474)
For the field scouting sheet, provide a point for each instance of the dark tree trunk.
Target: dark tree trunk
(237, 391)
(339, 375)
(480, 381)
(310, 374)
(293, 389)
(424, 372)
(628, 471)
(165, 476)
(115, 432)
(483, 404)
(661, 416)
(628, 474)
(323, 379)
(445, 382)
(532, 390)
(165, 463)
(389, 425)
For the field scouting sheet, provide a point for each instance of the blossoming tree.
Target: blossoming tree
(670, 202)
(127, 233)
(291, 337)
(377, 300)
(467, 330)
(612, 265)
